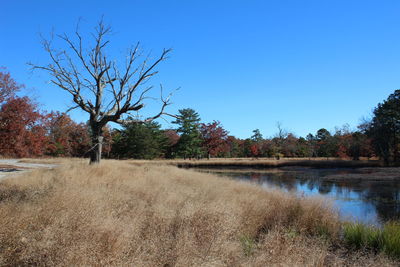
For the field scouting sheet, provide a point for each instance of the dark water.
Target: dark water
(371, 201)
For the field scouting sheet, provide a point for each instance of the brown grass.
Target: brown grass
(52, 160)
(121, 214)
(273, 163)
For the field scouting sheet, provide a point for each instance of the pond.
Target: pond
(366, 195)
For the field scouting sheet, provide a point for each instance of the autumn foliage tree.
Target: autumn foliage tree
(214, 138)
(66, 137)
(8, 86)
(25, 131)
(22, 131)
(172, 140)
(21, 123)
(233, 146)
(255, 151)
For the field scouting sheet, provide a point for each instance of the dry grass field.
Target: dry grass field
(123, 214)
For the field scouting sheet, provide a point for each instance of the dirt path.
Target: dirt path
(11, 166)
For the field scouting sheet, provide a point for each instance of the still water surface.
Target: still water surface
(371, 201)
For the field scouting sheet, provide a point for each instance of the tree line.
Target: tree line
(27, 131)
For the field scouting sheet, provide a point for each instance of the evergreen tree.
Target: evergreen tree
(189, 144)
(327, 146)
(257, 136)
(140, 141)
(385, 128)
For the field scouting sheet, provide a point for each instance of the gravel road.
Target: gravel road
(10, 166)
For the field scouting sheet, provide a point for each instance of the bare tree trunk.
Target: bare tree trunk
(97, 142)
(93, 79)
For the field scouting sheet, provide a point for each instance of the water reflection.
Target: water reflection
(371, 200)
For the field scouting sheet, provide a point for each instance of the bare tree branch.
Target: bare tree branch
(96, 83)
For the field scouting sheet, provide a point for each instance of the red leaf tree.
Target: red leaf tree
(172, 136)
(214, 138)
(255, 152)
(70, 139)
(22, 131)
(8, 86)
(66, 137)
(21, 124)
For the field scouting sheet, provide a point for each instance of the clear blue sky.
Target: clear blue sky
(248, 64)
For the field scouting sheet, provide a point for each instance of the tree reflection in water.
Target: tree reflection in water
(383, 196)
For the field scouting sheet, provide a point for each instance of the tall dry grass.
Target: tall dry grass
(145, 215)
(234, 162)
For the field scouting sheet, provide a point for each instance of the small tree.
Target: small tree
(279, 139)
(98, 86)
(254, 151)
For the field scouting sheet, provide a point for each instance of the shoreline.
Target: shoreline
(267, 164)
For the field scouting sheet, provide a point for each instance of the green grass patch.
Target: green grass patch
(387, 239)
(391, 239)
(360, 235)
(248, 245)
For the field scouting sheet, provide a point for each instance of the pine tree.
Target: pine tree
(189, 144)
(140, 141)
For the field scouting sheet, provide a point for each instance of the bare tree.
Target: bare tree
(98, 85)
(282, 133)
(280, 137)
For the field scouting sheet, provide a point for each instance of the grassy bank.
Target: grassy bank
(121, 214)
(263, 163)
